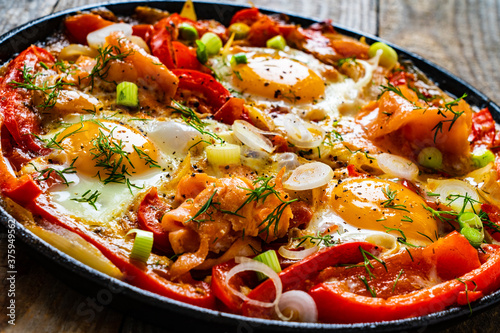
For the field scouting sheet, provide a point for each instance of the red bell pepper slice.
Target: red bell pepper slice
(483, 129)
(19, 120)
(215, 94)
(23, 190)
(248, 16)
(231, 110)
(454, 259)
(79, 26)
(161, 43)
(143, 30)
(195, 292)
(300, 275)
(149, 214)
(494, 216)
(185, 58)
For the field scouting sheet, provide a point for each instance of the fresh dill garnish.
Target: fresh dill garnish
(402, 239)
(238, 75)
(441, 111)
(191, 118)
(367, 264)
(327, 240)
(464, 282)
(406, 218)
(443, 215)
(359, 151)
(391, 197)
(342, 61)
(370, 290)
(109, 155)
(397, 91)
(147, 159)
(331, 137)
(91, 199)
(409, 253)
(202, 210)
(105, 55)
(468, 200)
(50, 92)
(261, 191)
(275, 216)
(397, 279)
(418, 232)
(47, 172)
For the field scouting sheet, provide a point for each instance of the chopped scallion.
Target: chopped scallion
(127, 94)
(240, 30)
(212, 42)
(389, 57)
(143, 244)
(201, 52)
(270, 259)
(223, 154)
(240, 58)
(277, 42)
(430, 157)
(482, 157)
(469, 219)
(188, 32)
(474, 236)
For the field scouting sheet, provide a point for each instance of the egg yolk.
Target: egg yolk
(278, 78)
(384, 206)
(107, 148)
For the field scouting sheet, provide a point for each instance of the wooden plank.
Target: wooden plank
(15, 13)
(461, 36)
(359, 15)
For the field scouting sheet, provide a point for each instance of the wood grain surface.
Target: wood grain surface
(463, 36)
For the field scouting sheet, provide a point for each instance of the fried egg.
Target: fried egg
(106, 161)
(291, 79)
(360, 207)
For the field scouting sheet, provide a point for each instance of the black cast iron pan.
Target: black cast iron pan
(177, 316)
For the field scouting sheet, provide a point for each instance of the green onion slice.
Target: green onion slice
(270, 259)
(277, 42)
(143, 244)
(389, 57)
(482, 157)
(127, 94)
(474, 236)
(201, 52)
(240, 30)
(212, 42)
(469, 219)
(188, 32)
(430, 157)
(240, 58)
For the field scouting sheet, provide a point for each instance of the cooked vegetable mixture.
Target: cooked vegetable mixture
(261, 168)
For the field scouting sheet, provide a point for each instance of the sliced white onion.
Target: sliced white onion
(369, 68)
(309, 176)
(73, 51)
(447, 187)
(97, 39)
(247, 264)
(301, 304)
(297, 255)
(251, 136)
(287, 160)
(397, 166)
(302, 134)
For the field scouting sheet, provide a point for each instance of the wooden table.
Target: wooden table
(461, 36)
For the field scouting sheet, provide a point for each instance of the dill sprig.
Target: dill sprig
(370, 290)
(190, 117)
(91, 199)
(275, 216)
(50, 92)
(261, 191)
(327, 240)
(47, 172)
(441, 111)
(391, 197)
(397, 279)
(147, 159)
(105, 55)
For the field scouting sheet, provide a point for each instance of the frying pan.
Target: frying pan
(180, 316)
